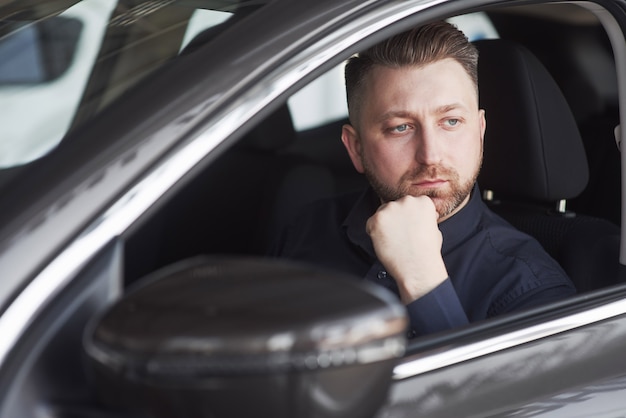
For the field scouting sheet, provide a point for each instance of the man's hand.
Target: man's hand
(408, 242)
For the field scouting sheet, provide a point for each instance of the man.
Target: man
(421, 230)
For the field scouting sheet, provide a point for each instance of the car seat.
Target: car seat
(581, 60)
(243, 198)
(534, 160)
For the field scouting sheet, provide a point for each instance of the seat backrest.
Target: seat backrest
(240, 202)
(534, 160)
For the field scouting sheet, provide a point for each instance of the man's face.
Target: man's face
(419, 132)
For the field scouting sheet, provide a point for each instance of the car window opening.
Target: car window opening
(286, 167)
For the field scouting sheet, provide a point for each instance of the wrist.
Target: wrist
(412, 288)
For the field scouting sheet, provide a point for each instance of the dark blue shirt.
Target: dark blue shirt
(493, 267)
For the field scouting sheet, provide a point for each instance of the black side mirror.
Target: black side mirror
(237, 337)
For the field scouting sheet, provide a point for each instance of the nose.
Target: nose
(428, 147)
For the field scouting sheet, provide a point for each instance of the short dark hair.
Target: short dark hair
(416, 47)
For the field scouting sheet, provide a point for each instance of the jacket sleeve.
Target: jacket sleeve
(438, 310)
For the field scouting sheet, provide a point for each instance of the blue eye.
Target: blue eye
(401, 128)
(452, 122)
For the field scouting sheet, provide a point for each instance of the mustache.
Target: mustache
(428, 172)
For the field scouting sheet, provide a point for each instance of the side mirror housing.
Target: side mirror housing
(234, 337)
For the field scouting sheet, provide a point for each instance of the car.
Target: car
(150, 155)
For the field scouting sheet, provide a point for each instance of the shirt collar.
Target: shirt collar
(454, 229)
(458, 228)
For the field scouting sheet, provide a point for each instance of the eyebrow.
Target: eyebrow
(449, 107)
(405, 114)
(394, 114)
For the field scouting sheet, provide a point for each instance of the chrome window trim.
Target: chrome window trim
(429, 361)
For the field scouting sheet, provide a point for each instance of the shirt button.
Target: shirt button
(382, 274)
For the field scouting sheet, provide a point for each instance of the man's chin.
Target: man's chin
(449, 206)
(444, 209)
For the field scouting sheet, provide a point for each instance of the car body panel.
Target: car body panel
(534, 368)
(547, 377)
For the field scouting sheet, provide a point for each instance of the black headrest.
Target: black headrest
(533, 149)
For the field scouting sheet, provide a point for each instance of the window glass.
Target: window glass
(40, 52)
(324, 100)
(475, 26)
(57, 73)
(44, 68)
(27, 65)
(321, 101)
(203, 19)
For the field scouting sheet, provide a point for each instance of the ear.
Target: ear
(483, 124)
(351, 141)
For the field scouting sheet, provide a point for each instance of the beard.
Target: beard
(446, 201)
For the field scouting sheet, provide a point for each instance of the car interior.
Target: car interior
(551, 168)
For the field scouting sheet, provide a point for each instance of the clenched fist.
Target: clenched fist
(407, 242)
